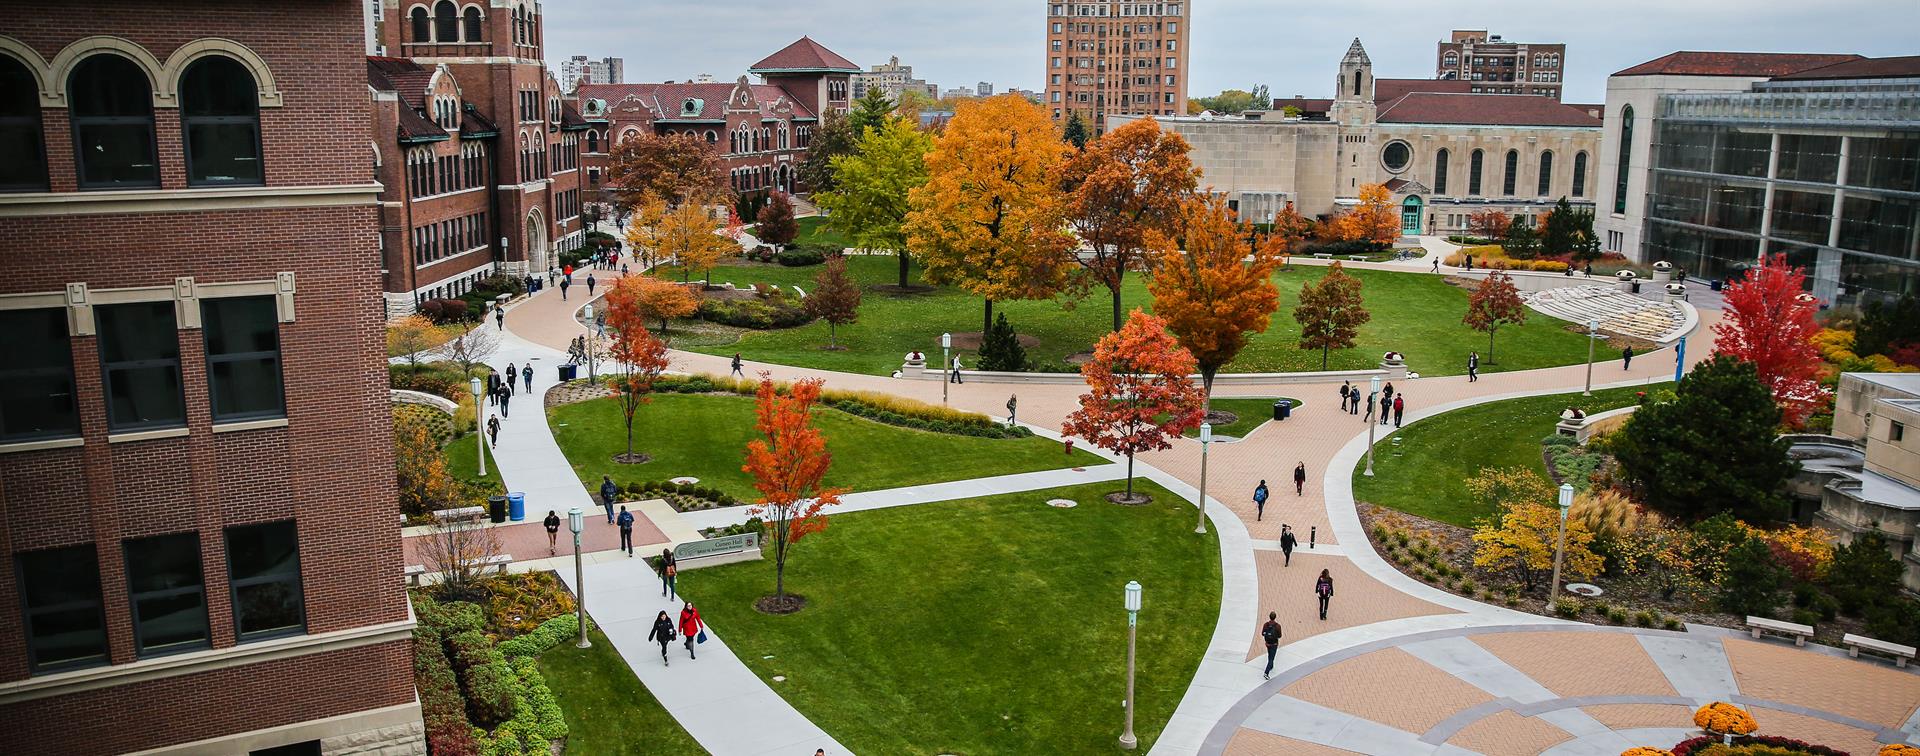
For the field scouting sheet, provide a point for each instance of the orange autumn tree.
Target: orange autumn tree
(1375, 220)
(661, 300)
(1131, 183)
(1494, 303)
(1769, 322)
(1219, 290)
(989, 218)
(640, 356)
(679, 168)
(787, 466)
(1140, 393)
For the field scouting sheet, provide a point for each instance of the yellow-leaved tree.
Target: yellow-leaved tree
(1522, 543)
(989, 218)
(1374, 220)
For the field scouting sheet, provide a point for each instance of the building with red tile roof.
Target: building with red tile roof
(1746, 64)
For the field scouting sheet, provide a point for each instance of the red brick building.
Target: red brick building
(477, 148)
(760, 130)
(196, 485)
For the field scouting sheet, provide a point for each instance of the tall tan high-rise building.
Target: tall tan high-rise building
(1112, 58)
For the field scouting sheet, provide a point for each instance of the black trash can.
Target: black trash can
(568, 372)
(1714, 284)
(497, 508)
(1636, 287)
(1282, 409)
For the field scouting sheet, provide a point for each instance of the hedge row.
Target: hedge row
(477, 684)
(759, 314)
(549, 634)
(441, 707)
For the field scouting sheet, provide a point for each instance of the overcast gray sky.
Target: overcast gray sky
(1293, 48)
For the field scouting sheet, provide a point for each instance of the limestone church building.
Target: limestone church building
(1443, 151)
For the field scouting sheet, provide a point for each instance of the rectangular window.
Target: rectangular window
(140, 357)
(60, 591)
(243, 358)
(263, 566)
(1896, 432)
(38, 402)
(167, 593)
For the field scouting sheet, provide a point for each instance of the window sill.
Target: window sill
(146, 435)
(51, 443)
(247, 425)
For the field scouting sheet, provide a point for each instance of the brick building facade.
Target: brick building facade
(1493, 65)
(476, 145)
(196, 482)
(1117, 58)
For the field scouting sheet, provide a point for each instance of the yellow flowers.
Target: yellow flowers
(1645, 751)
(1899, 749)
(1721, 717)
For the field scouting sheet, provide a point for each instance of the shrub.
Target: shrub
(1000, 348)
(1671, 623)
(1644, 618)
(1806, 616)
(1752, 582)
(1566, 607)
(522, 602)
(761, 314)
(549, 634)
(1863, 573)
(441, 708)
(1751, 745)
(546, 708)
(1335, 248)
(485, 677)
(1722, 717)
(802, 256)
(1897, 620)
(1617, 615)
(1468, 586)
(444, 311)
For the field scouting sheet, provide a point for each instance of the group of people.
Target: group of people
(1392, 407)
(691, 627)
(500, 395)
(1260, 491)
(1271, 632)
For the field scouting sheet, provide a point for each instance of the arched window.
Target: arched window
(1513, 173)
(220, 115)
(1546, 173)
(446, 22)
(519, 27)
(712, 137)
(1626, 155)
(1473, 174)
(1580, 174)
(422, 27)
(1440, 172)
(593, 141)
(23, 154)
(474, 23)
(111, 105)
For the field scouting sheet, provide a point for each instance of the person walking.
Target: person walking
(1436, 264)
(1259, 501)
(1473, 366)
(1354, 407)
(590, 283)
(493, 431)
(736, 366)
(553, 531)
(1270, 633)
(1287, 541)
(662, 632)
(526, 374)
(1372, 396)
(1346, 394)
(512, 373)
(625, 520)
(552, 273)
(1300, 479)
(506, 395)
(669, 569)
(499, 318)
(956, 369)
(608, 491)
(1399, 409)
(691, 627)
(564, 283)
(1323, 588)
(1626, 357)
(1386, 401)
(493, 385)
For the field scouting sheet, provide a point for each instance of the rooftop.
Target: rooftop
(804, 55)
(1697, 63)
(1861, 68)
(1450, 108)
(1908, 383)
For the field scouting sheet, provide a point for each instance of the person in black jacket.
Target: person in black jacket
(493, 430)
(1270, 633)
(1300, 479)
(626, 531)
(553, 530)
(1287, 542)
(1323, 589)
(1626, 357)
(608, 492)
(663, 634)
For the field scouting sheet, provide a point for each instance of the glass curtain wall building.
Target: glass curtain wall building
(1824, 171)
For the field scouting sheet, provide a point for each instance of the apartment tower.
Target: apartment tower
(1496, 66)
(1112, 58)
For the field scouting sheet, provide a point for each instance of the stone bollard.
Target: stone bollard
(1625, 280)
(1676, 292)
(1395, 364)
(1662, 272)
(915, 366)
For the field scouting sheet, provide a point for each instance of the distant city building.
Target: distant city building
(1492, 65)
(1711, 160)
(1116, 58)
(892, 79)
(1028, 94)
(603, 71)
(985, 89)
(959, 92)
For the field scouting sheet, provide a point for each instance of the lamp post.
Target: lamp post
(1593, 331)
(577, 521)
(1370, 398)
(1206, 438)
(593, 340)
(946, 365)
(1560, 550)
(1127, 740)
(479, 431)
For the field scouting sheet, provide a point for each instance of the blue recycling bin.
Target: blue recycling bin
(516, 506)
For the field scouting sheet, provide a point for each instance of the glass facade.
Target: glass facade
(1827, 174)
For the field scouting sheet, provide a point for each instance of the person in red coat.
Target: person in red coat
(690, 625)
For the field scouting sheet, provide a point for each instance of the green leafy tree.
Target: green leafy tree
(1753, 581)
(835, 137)
(1560, 234)
(1712, 448)
(1864, 573)
(1075, 132)
(1233, 101)
(870, 204)
(1000, 348)
(1521, 242)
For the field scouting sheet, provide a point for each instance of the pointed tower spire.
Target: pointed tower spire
(1356, 54)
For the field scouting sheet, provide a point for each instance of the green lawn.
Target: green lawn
(1441, 453)
(1253, 412)
(813, 230)
(608, 710)
(989, 625)
(705, 436)
(459, 455)
(1413, 313)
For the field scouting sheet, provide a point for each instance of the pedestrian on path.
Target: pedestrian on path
(1013, 408)
(1346, 394)
(607, 493)
(736, 366)
(506, 394)
(1287, 541)
(1323, 588)
(956, 369)
(1259, 501)
(1473, 366)
(552, 273)
(623, 270)
(1399, 409)
(564, 283)
(526, 372)
(1626, 357)
(512, 373)
(669, 572)
(553, 531)
(662, 632)
(590, 283)
(1436, 264)
(493, 385)
(566, 270)
(1372, 397)
(1270, 633)
(493, 431)
(1354, 408)
(1300, 479)
(626, 530)
(499, 317)
(690, 627)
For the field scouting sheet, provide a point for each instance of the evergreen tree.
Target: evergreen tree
(1864, 573)
(1521, 242)
(1753, 580)
(1712, 448)
(1000, 348)
(869, 112)
(1561, 232)
(1076, 131)
(1586, 245)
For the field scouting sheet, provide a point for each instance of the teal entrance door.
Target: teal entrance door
(1410, 215)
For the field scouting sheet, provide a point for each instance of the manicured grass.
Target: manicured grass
(990, 625)
(813, 230)
(1441, 453)
(1253, 412)
(1416, 314)
(608, 710)
(459, 455)
(705, 436)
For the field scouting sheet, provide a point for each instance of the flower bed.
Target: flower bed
(473, 699)
(1751, 745)
(685, 497)
(1722, 718)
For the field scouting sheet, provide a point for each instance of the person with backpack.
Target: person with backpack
(669, 568)
(1323, 589)
(691, 627)
(608, 492)
(736, 366)
(499, 318)
(1259, 501)
(663, 633)
(1626, 357)
(625, 521)
(590, 283)
(1287, 542)
(1386, 402)
(1300, 479)
(1346, 395)
(1473, 366)
(1270, 633)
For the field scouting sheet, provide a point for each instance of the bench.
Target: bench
(1800, 633)
(497, 561)
(1357, 258)
(459, 513)
(1901, 654)
(1323, 255)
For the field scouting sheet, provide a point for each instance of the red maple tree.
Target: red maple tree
(1769, 322)
(1494, 303)
(640, 356)
(1140, 392)
(787, 467)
